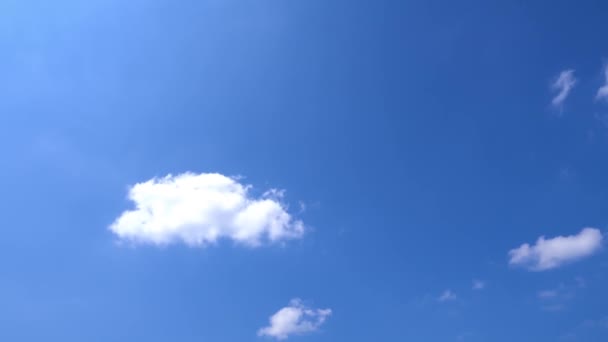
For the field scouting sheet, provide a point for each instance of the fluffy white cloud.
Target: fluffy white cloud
(447, 295)
(602, 93)
(551, 253)
(478, 284)
(199, 209)
(295, 319)
(563, 84)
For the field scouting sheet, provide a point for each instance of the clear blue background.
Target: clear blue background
(418, 133)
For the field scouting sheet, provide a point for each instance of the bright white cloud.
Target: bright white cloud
(602, 93)
(563, 84)
(200, 209)
(447, 295)
(478, 284)
(295, 319)
(551, 253)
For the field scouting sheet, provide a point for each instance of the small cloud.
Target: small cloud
(602, 119)
(200, 209)
(446, 296)
(557, 298)
(295, 319)
(553, 308)
(602, 92)
(570, 336)
(597, 323)
(547, 294)
(302, 206)
(565, 173)
(478, 284)
(465, 336)
(563, 84)
(587, 327)
(552, 253)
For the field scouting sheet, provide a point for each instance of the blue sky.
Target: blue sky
(425, 148)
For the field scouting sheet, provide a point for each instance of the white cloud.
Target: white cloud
(295, 319)
(602, 92)
(551, 253)
(563, 84)
(478, 284)
(200, 209)
(447, 295)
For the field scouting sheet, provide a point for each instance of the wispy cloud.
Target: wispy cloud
(555, 252)
(580, 282)
(589, 326)
(546, 294)
(563, 84)
(295, 319)
(446, 296)
(602, 92)
(596, 323)
(553, 307)
(465, 336)
(200, 209)
(559, 297)
(479, 284)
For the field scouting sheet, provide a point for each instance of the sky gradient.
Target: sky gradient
(309, 170)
